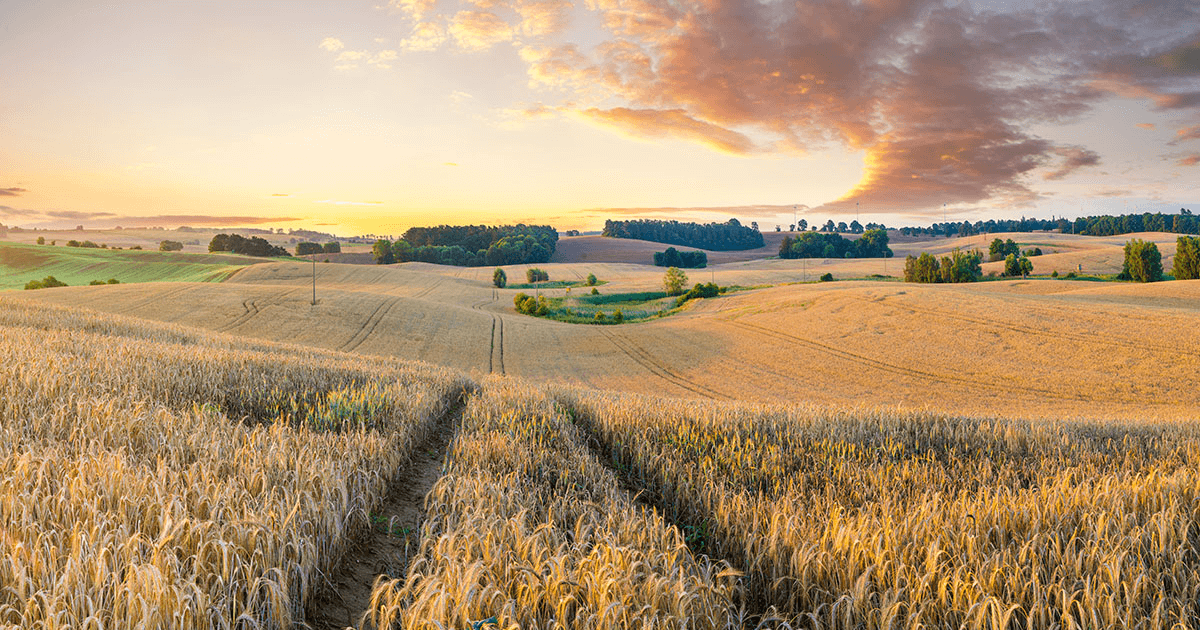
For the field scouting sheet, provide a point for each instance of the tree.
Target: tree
(332, 247)
(305, 249)
(41, 240)
(826, 277)
(674, 281)
(170, 246)
(533, 274)
(591, 280)
(841, 227)
(856, 227)
(618, 316)
(49, 282)
(802, 224)
(1143, 262)
(499, 278)
(1187, 258)
(382, 252)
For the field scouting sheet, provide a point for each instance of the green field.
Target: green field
(20, 263)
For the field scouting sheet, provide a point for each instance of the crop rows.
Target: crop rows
(152, 476)
(874, 520)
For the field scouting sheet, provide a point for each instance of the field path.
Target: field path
(394, 535)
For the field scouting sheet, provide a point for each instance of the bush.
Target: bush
(599, 316)
(674, 281)
(591, 280)
(1054, 274)
(138, 247)
(709, 290)
(170, 246)
(1143, 262)
(827, 277)
(49, 282)
(332, 247)
(533, 274)
(499, 278)
(528, 305)
(307, 249)
(595, 291)
(618, 316)
(1187, 258)
(41, 240)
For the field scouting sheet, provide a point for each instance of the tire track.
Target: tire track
(370, 325)
(496, 349)
(251, 309)
(646, 360)
(429, 289)
(884, 366)
(155, 299)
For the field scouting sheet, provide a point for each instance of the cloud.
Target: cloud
(674, 123)
(12, 192)
(279, 194)
(1190, 160)
(1146, 125)
(540, 18)
(424, 37)
(417, 9)
(449, 163)
(332, 44)
(74, 215)
(479, 30)
(349, 203)
(196, 220)
(1187, 133)
(1073, 159)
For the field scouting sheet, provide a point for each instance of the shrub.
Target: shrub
(674, 281)
(1187, 258)
(595, 291)
(113, 281)
(306, 249)
(1070, 275)
(709, 290)
(533, 274)
(49, 282)
(72, 243)
(170, 246)
(499, 278)
(1054, 274)
(591, 280)
(1143, 262)
(97, 283)
(138, 247)
(599, 316)
(41, 240)
(618, 316)
(827, 277)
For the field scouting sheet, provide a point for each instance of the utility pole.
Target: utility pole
(314, 261)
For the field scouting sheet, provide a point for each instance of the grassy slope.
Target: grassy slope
(20, 263)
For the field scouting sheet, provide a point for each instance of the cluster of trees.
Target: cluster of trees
(699, 291)
(1143, 262)
(686, 260)
(88, 244)
(529, 305)
(308, 248)
(534, 274)
(872, 244)
(170, 246)
(1017, 265)
(49, 282)
(238, 244)
(999, 249)
(1101, 225)
(95, 283)
(1187, 258)
(959, 266)
(728, 236)
(470, 245)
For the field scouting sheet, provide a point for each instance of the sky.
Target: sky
(371, 117)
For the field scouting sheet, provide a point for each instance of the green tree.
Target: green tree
(923, 268)
(41, 240)
(1187, 258)
(1143, 262)
(305, 249)
(168, 246)
(332, 247)
(591, 280)
(382, 252)
(499, 278)
(618, 316)
(674, 281)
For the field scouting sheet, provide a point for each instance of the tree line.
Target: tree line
(958, 266)
(308, 248)
(470, 245)
(872, 244)
(238, 244)
(721, 237)
(1100, 225)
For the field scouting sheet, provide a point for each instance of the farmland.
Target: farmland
(409, 452)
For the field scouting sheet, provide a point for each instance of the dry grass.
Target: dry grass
(909, 521)
(158, 477)
(528, 527)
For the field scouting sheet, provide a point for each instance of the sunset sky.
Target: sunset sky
(370, 117)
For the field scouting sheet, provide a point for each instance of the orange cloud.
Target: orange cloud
(1146, 125)
(1187, 133)
(1073, 159)
(675, 123)
(1190, 160)
(479, 30)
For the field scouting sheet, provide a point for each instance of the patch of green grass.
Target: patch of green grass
(621, 298)
(554, 284)
(21, 262)
(633, 306)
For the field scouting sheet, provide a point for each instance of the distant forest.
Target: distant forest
(1102, 225)
(721, 237)
(872, 244)
(238, 244)
(471, 245)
